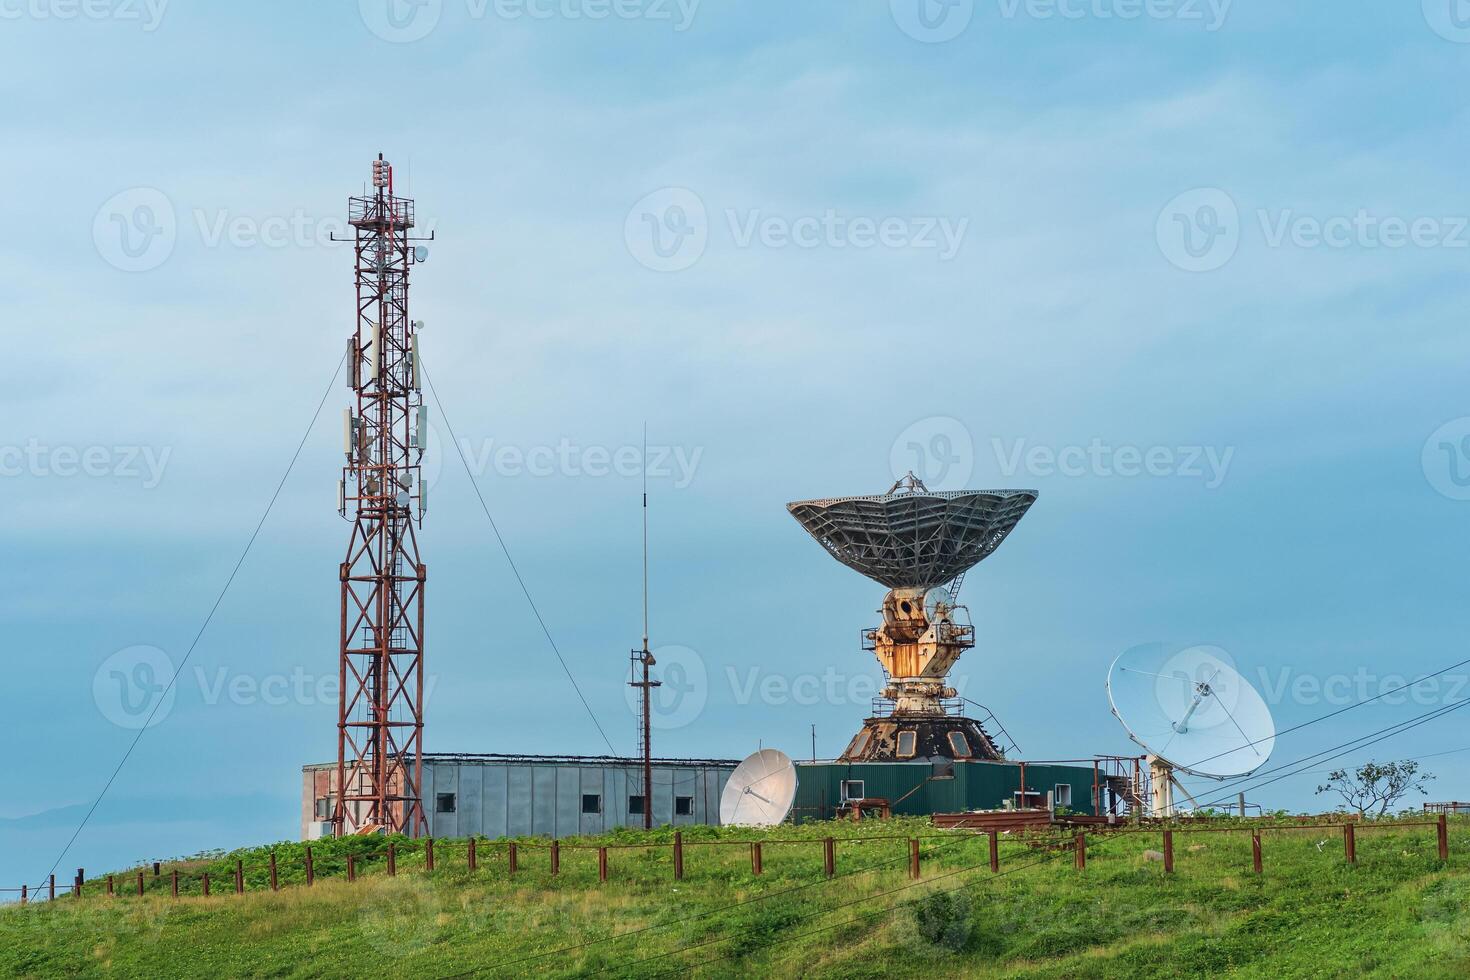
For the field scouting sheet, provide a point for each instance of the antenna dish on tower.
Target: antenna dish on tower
(911, 536)
(760, 792)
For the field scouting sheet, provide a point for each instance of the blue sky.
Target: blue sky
(1195, 272)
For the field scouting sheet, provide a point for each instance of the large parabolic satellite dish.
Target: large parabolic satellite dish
(912, 537)
(760, 791)
(1192, 712)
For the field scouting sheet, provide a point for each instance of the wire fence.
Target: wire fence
(184, 880)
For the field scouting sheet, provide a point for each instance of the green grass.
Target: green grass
(1399, 912)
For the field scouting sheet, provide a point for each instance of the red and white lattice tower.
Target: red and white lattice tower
(381, 707)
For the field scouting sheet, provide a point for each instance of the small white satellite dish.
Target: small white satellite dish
(760, 791)
(936, 600)
(421, 253)
(1191, 712)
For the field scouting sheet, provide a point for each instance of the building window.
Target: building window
(959, 744)
(852, 789)
(444, 803)
(323, 808)
(683, 806)
(860, 744)
(591, 802)
(635, 806)
(1062, 795)
(907, 744)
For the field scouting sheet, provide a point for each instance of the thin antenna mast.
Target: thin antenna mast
(642, 660)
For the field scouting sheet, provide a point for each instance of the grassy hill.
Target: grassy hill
(1398, 912)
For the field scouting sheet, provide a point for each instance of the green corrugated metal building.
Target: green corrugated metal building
(921, 788)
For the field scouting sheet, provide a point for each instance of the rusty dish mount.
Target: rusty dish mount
(915, 541)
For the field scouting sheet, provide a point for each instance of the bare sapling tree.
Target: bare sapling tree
(1374, 787)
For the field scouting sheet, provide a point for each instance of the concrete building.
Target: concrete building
(540, 796)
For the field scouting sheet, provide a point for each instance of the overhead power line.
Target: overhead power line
(1331, 714)
(205, 625)
(1345, 747)
(511, 562)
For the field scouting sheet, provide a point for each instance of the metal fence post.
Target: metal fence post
(914, 857)
(472, 858)
(829, 856)
(81, 880)
(239, 877)
(1350, 842)
(175, 882)
(140, 881)
(602, 864)
(428, 854)
(275, 884)
(25, 894)
(204, 882)
(755, 857)
(994, 850)
(392, 860)
(1256, 851)
(51, 889)
(513, 858)
(1081, 848)
(678, 855)
(351, 867)
(556, 857)
(310, 868)
(1444, 838)
(1169, 852)
(109, 886)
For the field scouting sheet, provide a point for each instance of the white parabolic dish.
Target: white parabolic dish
(760, 791)
(1192, 709)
